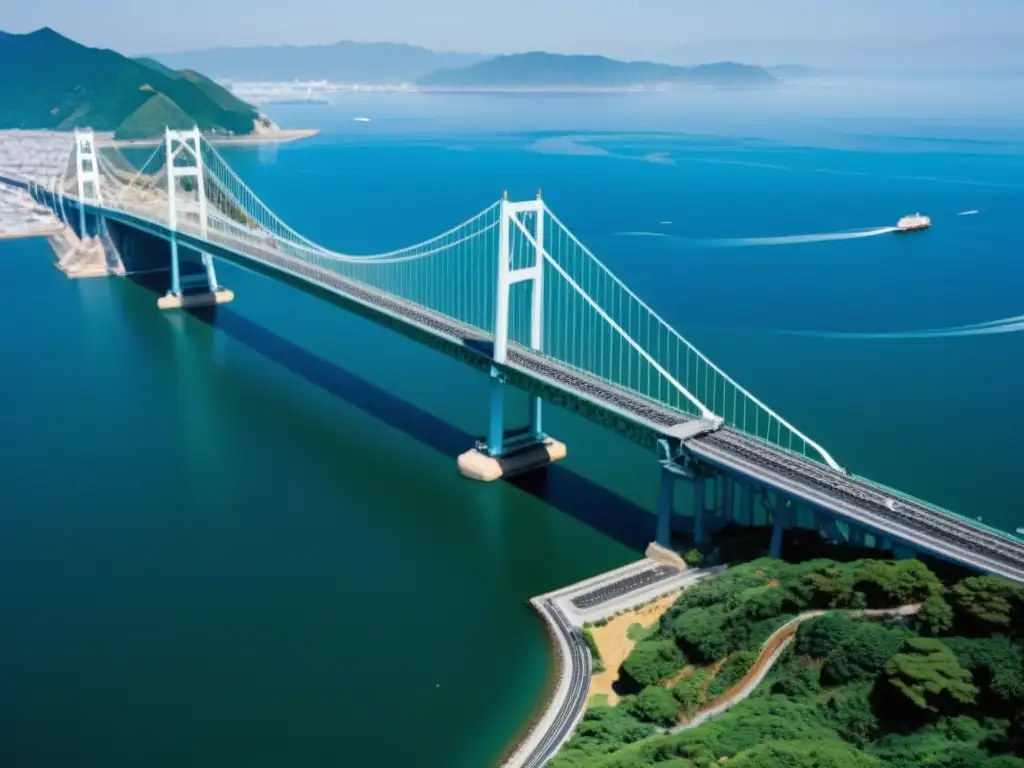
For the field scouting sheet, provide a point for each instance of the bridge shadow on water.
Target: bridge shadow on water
(571, 493)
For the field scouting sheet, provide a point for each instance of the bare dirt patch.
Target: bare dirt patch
(614, 644)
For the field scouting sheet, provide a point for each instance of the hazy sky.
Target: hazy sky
(784, 30)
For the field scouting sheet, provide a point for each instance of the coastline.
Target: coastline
(567, 691)
(555, 669)
(278, 136)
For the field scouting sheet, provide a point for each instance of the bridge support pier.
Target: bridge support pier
(522, 450)
(747, 504)
(536, 423)
(779, 525)
(699, 508)
(176, 298)
(514, 453)
(666, 499)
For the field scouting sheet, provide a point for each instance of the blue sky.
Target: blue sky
(768, 31)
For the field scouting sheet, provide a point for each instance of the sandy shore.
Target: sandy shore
(267, 137)
(615, 646)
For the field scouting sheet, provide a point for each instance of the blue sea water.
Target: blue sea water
(766, 237)
(243, 540)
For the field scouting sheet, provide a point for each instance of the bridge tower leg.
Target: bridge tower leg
(185, 161)
(675, 466)
(87, 174)
(503, 455)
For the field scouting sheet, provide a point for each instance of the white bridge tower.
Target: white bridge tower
(87, 174)
(522, 452)
(185, 161)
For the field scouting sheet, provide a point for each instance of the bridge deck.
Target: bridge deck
(795, 476)
(941, 532)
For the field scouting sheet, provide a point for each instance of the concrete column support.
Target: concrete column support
(496, 425)
(666, 497)
(699, 488)
(779, 525)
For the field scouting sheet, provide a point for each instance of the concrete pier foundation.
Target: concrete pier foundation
(477, 464)
(191, 300)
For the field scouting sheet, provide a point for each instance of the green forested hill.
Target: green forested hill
(49, 81)
(940, 686)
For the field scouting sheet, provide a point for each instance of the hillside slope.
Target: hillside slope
(49, 81)
(552, 70)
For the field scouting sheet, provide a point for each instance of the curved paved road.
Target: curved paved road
(541, 745)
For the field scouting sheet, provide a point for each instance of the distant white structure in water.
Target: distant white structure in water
(361, 119)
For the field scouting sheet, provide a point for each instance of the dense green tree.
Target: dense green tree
(656, 705)
(935, 616)
(792, 676)
(985, 604)
(595, 652)
(652, 661)
(850, 713)
(690, 690)
(861, 653)
(731, 673)
(693, 558)
(934, 748)
(603, 730)
(892, 583)
(701, 632)
(804, 754)
(818, 636)
(750, 723)
(832, 585)
(928, 675)
(759, 603)
(997, 664)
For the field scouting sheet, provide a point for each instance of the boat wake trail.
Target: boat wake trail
(647, 234)
(1006, 325)
(852, 234)
(734, 242)
(966, 213)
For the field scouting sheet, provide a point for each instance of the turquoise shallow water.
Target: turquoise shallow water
(207, 554)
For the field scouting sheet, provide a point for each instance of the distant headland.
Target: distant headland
(50, 82)
(389, 66)
(557, 71)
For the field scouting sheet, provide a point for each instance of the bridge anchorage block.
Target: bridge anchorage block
(192, 300)
(526, 456)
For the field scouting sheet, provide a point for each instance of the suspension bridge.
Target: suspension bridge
(512, 292)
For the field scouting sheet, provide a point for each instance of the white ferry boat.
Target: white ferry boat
(910, 223)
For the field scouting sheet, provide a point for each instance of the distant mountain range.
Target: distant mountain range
(550, 70)
(48, 81)
(343, 62)
(391, 64)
